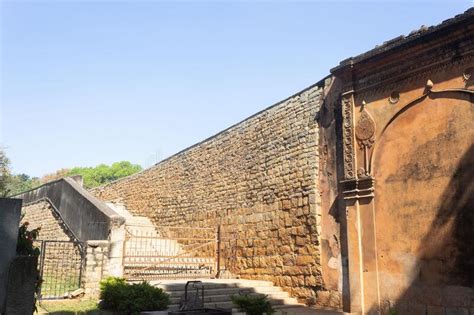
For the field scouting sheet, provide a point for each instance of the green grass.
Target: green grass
(58, 286)
(70, 306)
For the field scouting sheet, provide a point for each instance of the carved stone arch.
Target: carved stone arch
(416, 101)
(420, 173)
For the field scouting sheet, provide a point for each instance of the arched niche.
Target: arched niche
(423, 167)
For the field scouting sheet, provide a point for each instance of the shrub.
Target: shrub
(25, 243)
(253, 304)
(118, 295)
(25, 247)
(112, 291)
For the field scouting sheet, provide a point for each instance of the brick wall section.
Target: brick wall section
(258, 179)
(96, 266)
(41, 214)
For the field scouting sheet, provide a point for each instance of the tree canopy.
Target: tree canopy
(103, 174)
(4, 173)
(12, 184)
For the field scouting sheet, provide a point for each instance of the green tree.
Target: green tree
(103, 174)
(11, 184)
(21, 182)
(4, 174)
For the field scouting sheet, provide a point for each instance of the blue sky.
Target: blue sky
(89, 82)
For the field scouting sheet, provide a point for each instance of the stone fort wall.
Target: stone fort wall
(258, 180)
(41, 214)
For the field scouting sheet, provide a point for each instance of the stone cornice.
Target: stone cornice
(408, 57)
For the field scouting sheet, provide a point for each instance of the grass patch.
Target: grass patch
(58, 286)
(70, 306)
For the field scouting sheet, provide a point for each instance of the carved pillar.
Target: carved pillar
(358, 189)
(348, 135)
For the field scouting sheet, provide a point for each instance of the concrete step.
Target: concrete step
(229, 291)
(139, 221)
(218, 292)
(179, 285)
(229, 304)
(226, 297)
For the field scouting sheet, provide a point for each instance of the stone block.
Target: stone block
(289, 260)
(311, 281)
(300, 241)
(298, 281)
(304, 260)
(286, 204)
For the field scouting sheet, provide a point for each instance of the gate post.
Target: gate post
(41, 266)
(218, 251)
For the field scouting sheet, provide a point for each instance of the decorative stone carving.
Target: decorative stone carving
(365, 130)
(382, 82)
(365, 134)
(349, 167)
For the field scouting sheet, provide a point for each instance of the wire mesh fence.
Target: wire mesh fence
(61, 267)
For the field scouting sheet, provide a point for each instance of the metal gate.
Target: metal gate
(61, 266)
(170, 252)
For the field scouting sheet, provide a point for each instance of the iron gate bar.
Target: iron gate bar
(175, 263)
(175, 238)
(61, 268)
(163, 252)
(181, 227)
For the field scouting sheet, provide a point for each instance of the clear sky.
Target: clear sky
(89, 82)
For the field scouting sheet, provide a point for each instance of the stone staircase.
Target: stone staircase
(218, 292)
(147, 237)
(148, 255)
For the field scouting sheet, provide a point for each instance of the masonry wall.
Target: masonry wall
(86, 217)
(408, 155)
(258, 179)
(41, 214)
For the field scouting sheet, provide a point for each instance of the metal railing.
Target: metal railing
(170, 252)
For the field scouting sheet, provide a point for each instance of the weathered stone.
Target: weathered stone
(238, 180)
(304, 260)
(42, 215)
(10, 211)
